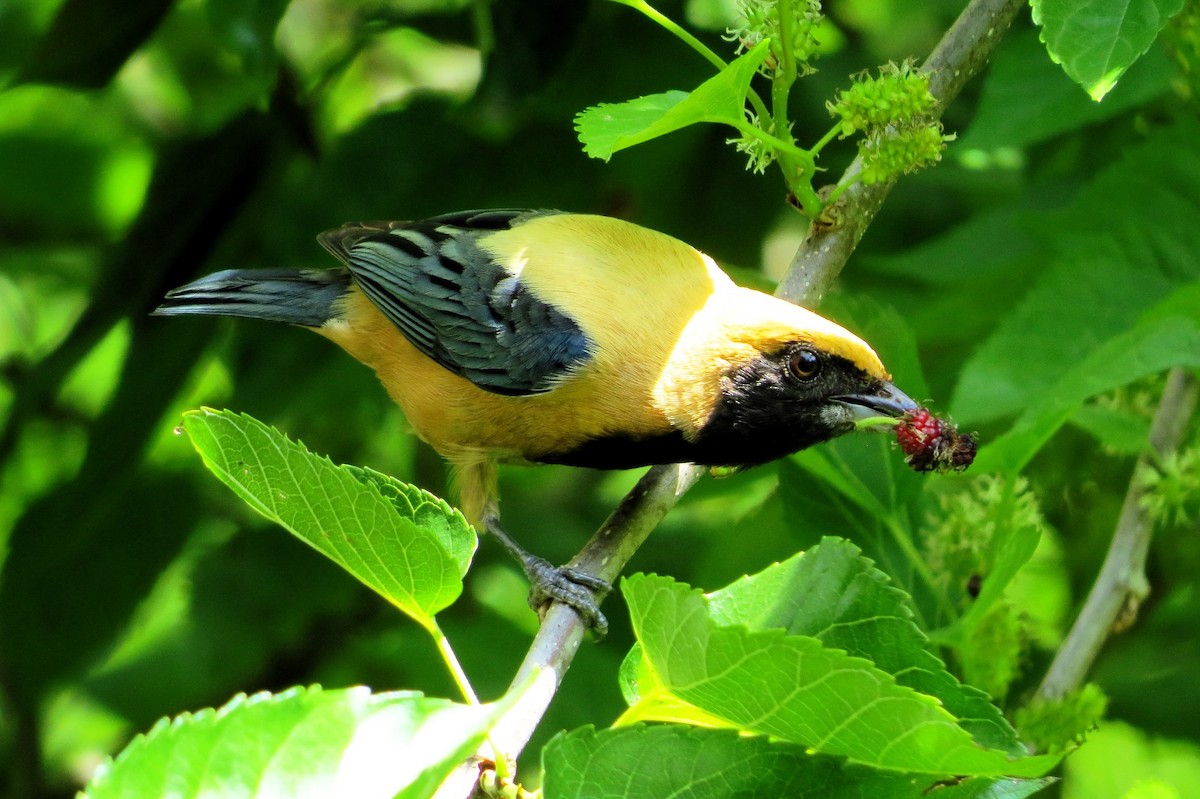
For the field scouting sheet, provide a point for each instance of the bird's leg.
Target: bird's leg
(548, 583)
(478, 491)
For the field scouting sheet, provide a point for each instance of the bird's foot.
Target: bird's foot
(548, 583)
(572, 587)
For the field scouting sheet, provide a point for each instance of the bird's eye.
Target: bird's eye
(804, 364)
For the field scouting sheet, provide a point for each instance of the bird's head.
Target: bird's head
(755, 378)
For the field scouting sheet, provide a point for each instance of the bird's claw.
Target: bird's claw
(572, 587)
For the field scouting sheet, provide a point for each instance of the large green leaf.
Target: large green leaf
(407, 545)
(794, 688)
(1097, 40)
(300, 743)
(1102, 272)
(837, 596)
(606, 128)
(1147, 349)
(696, 763)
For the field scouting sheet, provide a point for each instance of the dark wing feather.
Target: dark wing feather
(458, 306)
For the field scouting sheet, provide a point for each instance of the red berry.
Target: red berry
(931, 443)
(917, 431)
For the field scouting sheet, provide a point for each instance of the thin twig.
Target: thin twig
(958, 57)
(1122, 585)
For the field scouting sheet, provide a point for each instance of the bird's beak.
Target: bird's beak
(887, 400)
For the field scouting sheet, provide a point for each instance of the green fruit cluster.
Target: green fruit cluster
(898, 97)
(760, 19)
(886, 154)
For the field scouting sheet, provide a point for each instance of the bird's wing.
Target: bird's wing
(457, 305)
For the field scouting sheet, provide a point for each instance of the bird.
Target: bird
(549, 337)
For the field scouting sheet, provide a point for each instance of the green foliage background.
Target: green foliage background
(1045, 263)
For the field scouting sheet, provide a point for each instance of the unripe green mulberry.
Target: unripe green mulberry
(888, 154)
(899, 96)
(760, 20)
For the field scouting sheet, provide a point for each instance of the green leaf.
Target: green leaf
(1010, 115)
(609, 127)
(837, 596)
(1122, 430)
(405, 544)
(606, 128)
(1097, 40)
(794, 688)
(694, 763)
(1101, 273)
(432, 514)
(1149, 348)
(300, 743)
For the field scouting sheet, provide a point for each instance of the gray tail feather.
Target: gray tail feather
(296, 296)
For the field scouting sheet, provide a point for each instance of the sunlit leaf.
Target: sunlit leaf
(300, 743)
(403, 543)
(696, 763)
(837, 596)
(1097, 40)
(794, 688)
(609, 127)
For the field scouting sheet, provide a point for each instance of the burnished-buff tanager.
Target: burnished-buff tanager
(545, 337)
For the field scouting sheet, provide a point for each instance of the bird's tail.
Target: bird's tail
(296, 296)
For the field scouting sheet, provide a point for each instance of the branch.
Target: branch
(957, 58)
(1122, 585)
(562, 630)
(959, 55)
